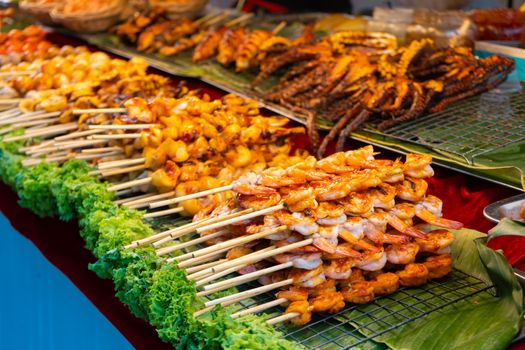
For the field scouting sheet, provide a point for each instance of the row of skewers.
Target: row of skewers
(341, 229)
(346, 228)
(346, 78)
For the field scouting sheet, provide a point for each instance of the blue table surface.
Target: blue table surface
(40, 308)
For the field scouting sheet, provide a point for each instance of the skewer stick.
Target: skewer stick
(102, 150)
(149, 198)
(238, 20)
(205, 18)
(29, 117)
(283, 318)
(119, 163)
(58, 129)
(98, 110)
(279, 27)
(249, 293)
(215, 276)
(190, 243)
(191, 227)
(20, 72)
(191, 196)
(7, 130)
(218, 286)
(96, 156)
(121, 127)
(128, 184)
(40, 145)
(131, 199)
(78, 134)
(241, 218)
(213, 255)
(204, 266)
(201, 280)
(10, 113)
(78, 144)
(114, 137)
(231, 243)
(250, 259)
(35, 122)
(212, 21)
(10, 100)
(163, 212)
(259, 308)
(113, 172)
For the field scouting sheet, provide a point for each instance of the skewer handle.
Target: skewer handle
(98, 110)
(259, 308)
(191, 196)
(283, 318)
(129, 184)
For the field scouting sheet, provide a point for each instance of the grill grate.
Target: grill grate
(356, 325)
(468, 128)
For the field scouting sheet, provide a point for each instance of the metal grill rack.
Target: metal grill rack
(356, 325)
(468, 128)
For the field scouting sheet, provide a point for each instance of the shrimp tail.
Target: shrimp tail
(399, 225)
(428, 217)
(347, 236)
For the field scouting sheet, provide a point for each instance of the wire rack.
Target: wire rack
(467, 129)
(356, 325)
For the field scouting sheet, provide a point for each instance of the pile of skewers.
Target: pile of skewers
(346, 77)
(346, 228)
(230, 43)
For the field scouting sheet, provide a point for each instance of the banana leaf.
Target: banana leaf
(482, 321)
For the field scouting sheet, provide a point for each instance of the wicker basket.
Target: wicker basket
(89, 22)
(40, 12)
(179, 8)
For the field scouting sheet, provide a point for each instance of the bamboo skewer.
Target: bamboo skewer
(283, 318)
(131, 199)
(58, 129)
(114, 136)
(204, 266)
(230, 243)
(279, 27)
(20, 72)
(163, 212)
(218, 286)
(98, 110)
(238, 20)
(212, 21)
(212, 255)
(121, 127)
(119, 163)
(215, 276)
(191, 196)
(10, 100)
(35, 122)
(112, 172)
(259, 308)
(232, 282)
(190, 243)
(102, 150)
(128, 184)
(248, 259)
(151, 197)
(241, 218)
(29, 117)
(189, 228)
(10, 113)
(205, 18)
(234, 298)
(78, 134)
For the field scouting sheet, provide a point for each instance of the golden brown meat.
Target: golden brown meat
(438, 266)
(304, 310)
(247, 52)
(413, 275)
(360, 292)
(209, 45)
(229, 43)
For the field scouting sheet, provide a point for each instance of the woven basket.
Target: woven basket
(179, 8)
(89, 22)
(40, 12)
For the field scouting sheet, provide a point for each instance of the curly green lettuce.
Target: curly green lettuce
(34, 189)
